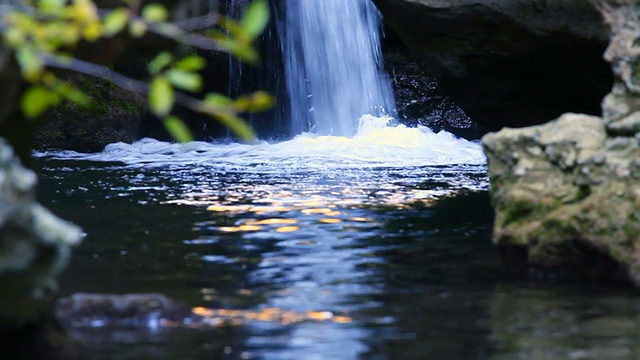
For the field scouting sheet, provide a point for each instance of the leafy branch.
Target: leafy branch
(45, 33)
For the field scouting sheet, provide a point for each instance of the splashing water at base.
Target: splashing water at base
(375, 145)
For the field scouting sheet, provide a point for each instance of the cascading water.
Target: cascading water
(333, 65)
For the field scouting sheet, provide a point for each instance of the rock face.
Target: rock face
(567, 193)
(34, 247)
(508, 63)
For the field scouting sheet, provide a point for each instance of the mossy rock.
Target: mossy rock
(113, 115)
(570, 208)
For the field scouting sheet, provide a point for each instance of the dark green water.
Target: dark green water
(404, 251)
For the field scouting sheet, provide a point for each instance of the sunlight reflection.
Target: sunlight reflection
(273, 222)
(325, 211)
(330, 221)
(360, 219)
(240, 228)
(222, 317)
(266, 201)
(286, 229)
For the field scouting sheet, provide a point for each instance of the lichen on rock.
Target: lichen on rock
(567, 193)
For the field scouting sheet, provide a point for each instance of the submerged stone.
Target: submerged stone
(85, 310)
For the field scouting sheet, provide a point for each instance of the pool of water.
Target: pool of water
(394, 238)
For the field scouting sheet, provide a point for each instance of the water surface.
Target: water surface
(394, 235)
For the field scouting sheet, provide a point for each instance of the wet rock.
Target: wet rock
(421, 101)
(567, 193)
(34, 247)
(508, 63)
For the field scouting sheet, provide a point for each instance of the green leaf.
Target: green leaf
(238, 126)
(115, 21)
(240, 50)
(260, 101)
(155, 13)
(191, 63)
(233, 28)
(160, 62)
(177, 129)
(137, 28)
(29, 61)
(161, 96)
(241, 104)
(74, 95)
(218, 100)
(36, 100)
(219, 107)
(185, 80)
(51, 5)
(255, 18)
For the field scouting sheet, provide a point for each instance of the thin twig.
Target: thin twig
(203, 22)
(193, 39)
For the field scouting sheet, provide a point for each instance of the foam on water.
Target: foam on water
(375, 145)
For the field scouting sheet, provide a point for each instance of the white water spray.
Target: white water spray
(333, 65)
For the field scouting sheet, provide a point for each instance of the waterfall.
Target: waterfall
(333, 63)
(322, 60)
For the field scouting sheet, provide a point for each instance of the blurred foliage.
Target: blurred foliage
(44, 34)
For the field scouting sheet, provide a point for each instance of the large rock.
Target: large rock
(34, 247)
(567, 193)
(508, 63)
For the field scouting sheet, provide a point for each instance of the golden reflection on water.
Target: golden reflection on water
(221, 317)
(323, 211)
(267, 199)
(360, 219)
(288, 211)
(274, 221)
(241, 228)
(330, 221)
(286, 229)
